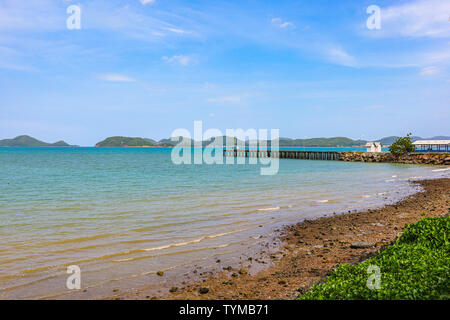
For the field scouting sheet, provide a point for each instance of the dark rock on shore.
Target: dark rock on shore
(361, 245)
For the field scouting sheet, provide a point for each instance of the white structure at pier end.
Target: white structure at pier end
(373, 146)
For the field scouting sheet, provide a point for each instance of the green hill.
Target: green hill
(27, 141)
(126, 142)
(320, 142)
(283, 142)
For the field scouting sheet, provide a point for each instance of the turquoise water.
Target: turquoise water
(125, 213)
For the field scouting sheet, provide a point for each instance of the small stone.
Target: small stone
(361, 245)
(173, 289)
(378, 224)
(160, 273)
(282, 282)
(262, 279)
(243, 271)
(203, 290)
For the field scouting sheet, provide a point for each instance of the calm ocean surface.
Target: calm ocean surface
(122, 214)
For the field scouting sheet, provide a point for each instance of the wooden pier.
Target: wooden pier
(284, 154)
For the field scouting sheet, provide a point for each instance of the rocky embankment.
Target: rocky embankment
(412, 158)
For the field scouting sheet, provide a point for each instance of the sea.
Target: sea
(120, 215)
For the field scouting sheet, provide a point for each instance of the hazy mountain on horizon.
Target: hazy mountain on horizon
(27, 141)
(121, 141)
(283, 142)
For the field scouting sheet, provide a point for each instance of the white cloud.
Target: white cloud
(278, 22)
(420, 18)
(429, 71)
(31, 15)
(341, 57)
(181, 60)
(230, 100)
(175, 30)
(145, 2)
(210, 85)
(116, 78)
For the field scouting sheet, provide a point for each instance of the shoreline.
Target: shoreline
(310, 250)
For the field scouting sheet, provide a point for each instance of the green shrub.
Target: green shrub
(402, 146)
(417, 266)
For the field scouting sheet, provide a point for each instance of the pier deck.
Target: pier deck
(284, 154)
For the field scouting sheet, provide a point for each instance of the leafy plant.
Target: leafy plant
(417, 266)
(402, 146)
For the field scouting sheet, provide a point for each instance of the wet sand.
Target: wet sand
(309, 251)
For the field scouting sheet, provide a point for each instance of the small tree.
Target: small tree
(402, 146)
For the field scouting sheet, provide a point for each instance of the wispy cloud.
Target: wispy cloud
(180, 59)
(31, 15)
(209, 85)
(145, 2)
(230, 100)
(429, 71)
(421, 18)
(115, 78)
(175, 30)
(278, 22)
(341, 57)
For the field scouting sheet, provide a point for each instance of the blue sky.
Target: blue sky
(144, 68)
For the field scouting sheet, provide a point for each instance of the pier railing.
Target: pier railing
(284, 154)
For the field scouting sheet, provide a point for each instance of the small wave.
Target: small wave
(269, 209)
(321, 201)
(179, 244)
(438, 170)
(220, 246)
(411, 178)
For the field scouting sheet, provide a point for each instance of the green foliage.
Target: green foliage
(320, 142)
(402, 145)
(27, 141)
(126, 142)
(417, 266)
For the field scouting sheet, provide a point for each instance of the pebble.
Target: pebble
(203, 290)
(361, 245)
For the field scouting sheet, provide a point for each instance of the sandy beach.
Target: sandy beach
(309, 251)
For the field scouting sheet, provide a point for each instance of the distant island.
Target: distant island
(126, 142)
(119, 141)
(27, 141)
